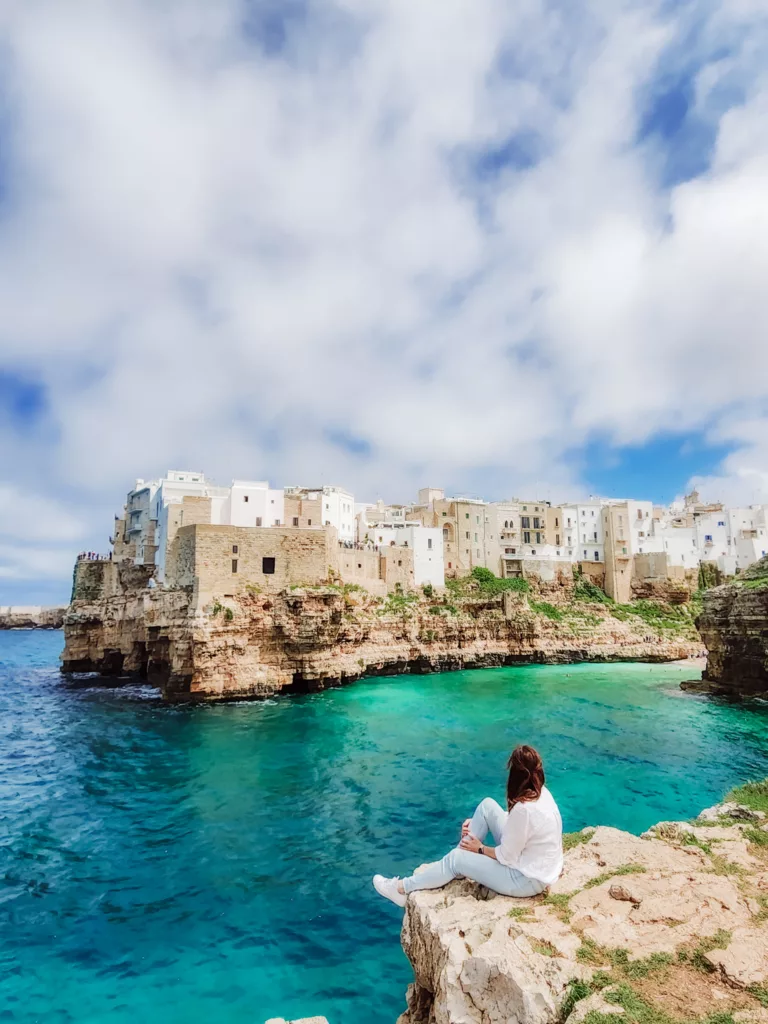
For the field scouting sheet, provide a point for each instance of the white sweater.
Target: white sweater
(532, 839)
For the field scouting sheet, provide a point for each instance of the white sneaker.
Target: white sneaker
(387, 887)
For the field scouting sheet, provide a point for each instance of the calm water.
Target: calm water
(213, 864)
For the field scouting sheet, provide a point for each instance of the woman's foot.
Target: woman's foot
(389, 888)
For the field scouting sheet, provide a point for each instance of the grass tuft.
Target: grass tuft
(623, 869)
(573, 839)
(752, 794)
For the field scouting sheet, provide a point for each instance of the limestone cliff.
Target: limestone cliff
(255, 645)
(667, 926)
(31, 617)
(734, 628)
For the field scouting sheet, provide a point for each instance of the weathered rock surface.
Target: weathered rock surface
(734, 628)
(689, 897)
(304, 1020)
(33, 617)
(257, 645)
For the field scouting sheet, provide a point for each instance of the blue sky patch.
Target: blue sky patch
(22, 399)
(349, 443)
(657, 470)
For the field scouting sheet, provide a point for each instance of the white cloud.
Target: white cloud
(216, 255)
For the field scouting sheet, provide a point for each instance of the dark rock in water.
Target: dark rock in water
(734, 628)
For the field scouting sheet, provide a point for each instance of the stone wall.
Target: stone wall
(93, 580)
(397, 567)
(361, 567)
(227, 560)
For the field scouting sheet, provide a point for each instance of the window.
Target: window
(327, 507)
(475, 538)
(309, 522)
(277, 522)
(533, 551)
(708, 537)
(525, 508)
(445, 513)
(477, 519)
(359, 565)
(466, 515)
(234, 549)
(526, 537)
(399, 561)
(258, 520)
(295, 520)
(557, 539)
(639, 513)
(268, 566)
(623, 551)
(569, 520)
(450, 564)
(536, 523)
(429, 543)
(597, 556)
(245, 497)
(585, 554)
(526, 522)
(593, 513)
(467, 536)
(234, 565)
(721, 524)
(506, 524)
(327, 522)
(594, 536)
(557, 522)
(538, 538)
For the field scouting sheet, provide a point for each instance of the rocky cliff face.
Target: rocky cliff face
(308, 638)
(31, 618)
(667, 926)
(734, 628)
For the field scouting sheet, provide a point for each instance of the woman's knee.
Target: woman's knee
(456, 862)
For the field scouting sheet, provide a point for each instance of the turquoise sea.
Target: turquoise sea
(191, 864)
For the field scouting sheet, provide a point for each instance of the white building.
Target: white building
(426, 542)
(582, 531)
(254, 503)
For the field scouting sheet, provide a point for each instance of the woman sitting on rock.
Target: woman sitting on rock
(528, 856)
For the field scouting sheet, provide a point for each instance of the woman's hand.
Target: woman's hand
(465, 827)
(470, 842)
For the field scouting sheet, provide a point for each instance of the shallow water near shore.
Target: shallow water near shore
(184, 864)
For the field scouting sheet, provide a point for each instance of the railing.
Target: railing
(93, 556)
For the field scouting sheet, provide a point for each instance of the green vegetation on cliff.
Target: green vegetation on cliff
(752, 794)
(755, 577)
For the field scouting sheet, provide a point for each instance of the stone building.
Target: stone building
(463, 523)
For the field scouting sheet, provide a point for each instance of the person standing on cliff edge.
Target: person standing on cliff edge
(528, 856)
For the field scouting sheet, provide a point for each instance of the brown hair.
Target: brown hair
(526, 776)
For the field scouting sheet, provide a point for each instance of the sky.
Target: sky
(504, 248)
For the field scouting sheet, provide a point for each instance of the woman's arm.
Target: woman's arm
(473, 844)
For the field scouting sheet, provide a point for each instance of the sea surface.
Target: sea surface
(185, 864)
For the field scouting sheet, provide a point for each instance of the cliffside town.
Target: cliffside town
(247, 591)
(627, 547)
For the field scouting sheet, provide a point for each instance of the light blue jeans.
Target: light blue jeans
(488, 817)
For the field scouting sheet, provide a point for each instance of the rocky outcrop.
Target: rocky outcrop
(256, 645)
(734, 628)
(34, 617)
(304, 1020)
(673, 922)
